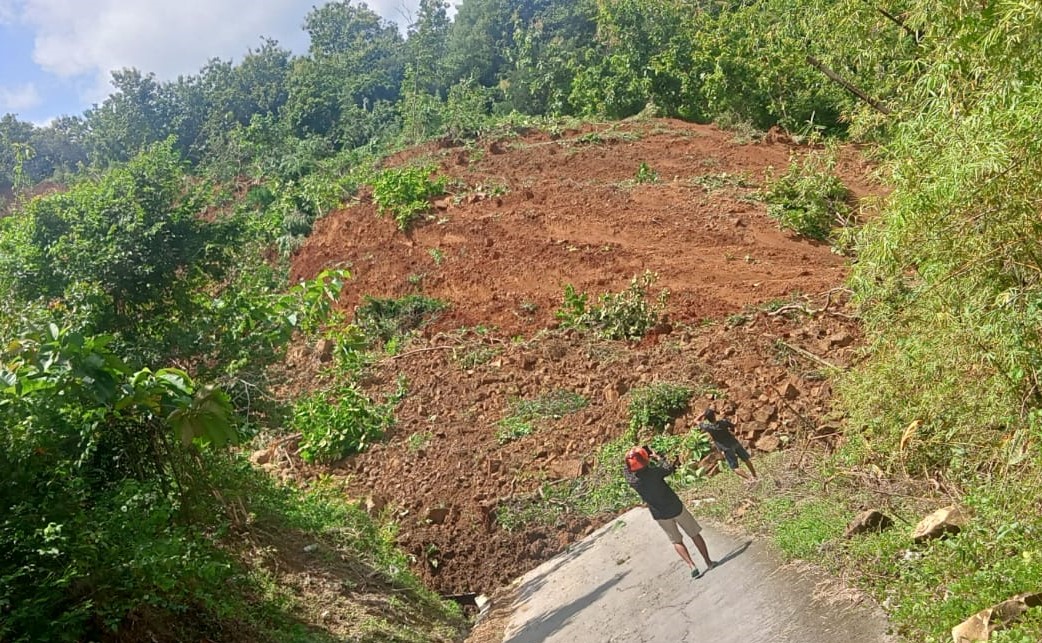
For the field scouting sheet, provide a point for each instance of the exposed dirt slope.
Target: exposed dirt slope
(572, 213)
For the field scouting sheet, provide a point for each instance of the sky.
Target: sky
(56, 56)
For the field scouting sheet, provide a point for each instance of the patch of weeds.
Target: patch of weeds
(419, 440)
(688, 450)
(555, 405)
(604, 137)
(390, 319)
(337, 423)
(645, 174)
(546, 508)
(353, 549)
(720, 180)
(528, 308)
(744, 131)
(801, 528)
(437, 255)
(474, 356)
(809, 198)
(406, 192)
(737, 319)
(625, 315)
(525, 413)
(513, 428)
(656, 405)
(415, 279)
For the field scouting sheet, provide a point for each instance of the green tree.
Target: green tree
(129, 120)
(427, 48)
(354, 67)
(125, 251)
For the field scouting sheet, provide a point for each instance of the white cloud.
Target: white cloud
(91, 38)
(19, 98)
(8, 12)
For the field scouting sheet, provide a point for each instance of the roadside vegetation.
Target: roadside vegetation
(144, 303)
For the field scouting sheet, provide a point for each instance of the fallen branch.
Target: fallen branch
(820, 66)
(809, 355)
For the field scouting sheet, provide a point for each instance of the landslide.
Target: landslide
(529, 214)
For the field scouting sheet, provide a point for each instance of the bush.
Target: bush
(406, 192)
(623, 315)
(656, 405)
(336, 424)
(809, 198)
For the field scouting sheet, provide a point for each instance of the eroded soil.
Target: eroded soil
(529, 215)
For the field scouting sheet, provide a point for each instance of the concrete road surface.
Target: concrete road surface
(626, 584)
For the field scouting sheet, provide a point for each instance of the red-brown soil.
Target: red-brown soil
(572, 214)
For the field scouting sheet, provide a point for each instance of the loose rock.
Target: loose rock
(948, 520)
(872, 520)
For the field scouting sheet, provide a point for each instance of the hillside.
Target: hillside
(538, 212)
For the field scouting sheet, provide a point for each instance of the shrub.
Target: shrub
(657, 404)
(809, 198)
(623, 315)
(336, 424)
(406, 192)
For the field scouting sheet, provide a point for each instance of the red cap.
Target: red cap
(637, 458)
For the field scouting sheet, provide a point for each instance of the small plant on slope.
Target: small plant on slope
(655, 405)
(406, 192)
(339, 423)
(645, 174)
(623, 315)
(809, 198)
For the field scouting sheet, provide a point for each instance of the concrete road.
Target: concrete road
(626, 584)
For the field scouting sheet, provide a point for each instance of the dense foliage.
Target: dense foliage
(137, 320)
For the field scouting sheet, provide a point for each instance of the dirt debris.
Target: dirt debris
(540, 213)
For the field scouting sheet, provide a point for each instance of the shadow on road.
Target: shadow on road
(572, 552)
(734, 553)
(538, 629)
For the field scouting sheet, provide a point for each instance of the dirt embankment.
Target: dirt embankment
(530, 215)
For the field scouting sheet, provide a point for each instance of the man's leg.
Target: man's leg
(700, 544)
(669, 525)
(694, 531)
(732, 459)
(744, 455)
(685, 554)
(749, 463)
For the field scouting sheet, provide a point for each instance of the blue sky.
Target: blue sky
(56, 55)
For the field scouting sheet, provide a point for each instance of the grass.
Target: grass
(524, 414)
(604, 490)
(419, 440)
(513, 428)
(474, 356)
(926, 589)
(720, 180)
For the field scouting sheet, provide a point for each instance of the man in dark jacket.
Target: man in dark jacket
(646, 472)
(728, 445)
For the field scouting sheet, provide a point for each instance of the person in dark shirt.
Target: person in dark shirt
(646, 472)
(726, 443)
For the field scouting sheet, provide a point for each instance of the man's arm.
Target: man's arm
(663, 465)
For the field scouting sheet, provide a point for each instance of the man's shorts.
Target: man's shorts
(685, 521)
(733, 450)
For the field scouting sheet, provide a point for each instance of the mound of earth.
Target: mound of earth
(539, 213)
